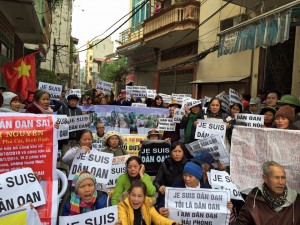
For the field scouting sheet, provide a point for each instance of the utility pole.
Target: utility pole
(55, 50)
(70, 62)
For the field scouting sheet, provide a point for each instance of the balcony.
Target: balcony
(29, 18)
(267, 4)
(169, 25)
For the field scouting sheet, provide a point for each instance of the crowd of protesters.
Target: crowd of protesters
(271, 203)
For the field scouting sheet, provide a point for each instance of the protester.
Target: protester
(137, 209)
(272, 99)
(98, 136)
(269, 115)
(230, 120)
(135, 171)
(103, 101)
(84, 196)
(245, 101)
(284, 118)
(273, 202)
(172, 135)
(85, 143)
(158, 102)
(293, 102)
(174, 103)
(189, 122)
(11, 102)
(214, 111)
(121, 100)
(154, 134)
(170, 169)
(113, 141)
(255, 105)
(40, 104)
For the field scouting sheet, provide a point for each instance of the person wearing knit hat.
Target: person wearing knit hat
(284, 118)
(255, 105)
(192, 174)
(113, 141)
(11, 102)
(84, 196)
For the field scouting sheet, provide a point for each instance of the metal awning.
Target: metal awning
(213, 80)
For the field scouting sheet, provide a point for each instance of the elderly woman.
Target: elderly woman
(113, 141)
(40, 104)
(284, 118)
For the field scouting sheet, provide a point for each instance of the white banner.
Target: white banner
(79, 122)
(251, 147)
(190, 102)
(221, 180)
(178, 114)
(198, 206)
(166, 124)
(206, 128)
(104, 86)
(105, 216)
(166, 98)
(179, 97)
(74, 92)
(151, 93)
(225, 101)
(53, 89)
(135, 104)
(214, 145)
(20, 187)
(98, 163)
(63, 129)
(249, 120)
(98, 146)
(138, 91)
(234, 97)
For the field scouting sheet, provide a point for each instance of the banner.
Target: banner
(74, 92)
(225, 101)
(179, 97)
(104, 86)
(190, 102)
(166, 124)
(198, 205)
(214, 145)
(151, 93)
(63, 129)
(166, 98)
(178, 114)
(29, 140)
(249, 120)
(132, 142)
(53, 89)
(251, 147)
(234, 97)
(121, 118)
(98, 163)
(107, 216)
(137, 91)
(135, 104)
(20, 187)
(221, 180)
(206, 128)
(153, 153)
(118, 167)
(79, 122)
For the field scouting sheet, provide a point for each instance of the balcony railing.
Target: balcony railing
(131, 34)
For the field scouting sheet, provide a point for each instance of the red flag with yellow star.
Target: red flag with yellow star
(20, 75)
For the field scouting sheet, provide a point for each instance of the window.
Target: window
(142, 14)
(91, 58)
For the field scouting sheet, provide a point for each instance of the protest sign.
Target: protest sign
(190, 102)
(98, 163)
(206, 128)
(166, 124)
(249, 120)
(30, 140)
(206, 100)
(79, 122)
(20, 187)
(214, 145)
(151, 93)
(221, 180)
(74, 92)
(132, 142)
(63, 129)
(99, 146)
(225, 101)
(107, 216)
(54, 90)
(136, 104)
(137, 91)
(234, 97)
(179, 97)
(198, 205)
(104, 86)
(251, 147)
(178, 114)
(153, 153)
(118, 167)
(166, 98)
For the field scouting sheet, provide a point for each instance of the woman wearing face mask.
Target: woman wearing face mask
(85, 144)
(113, 141)
(137, 209)
(41, 103)
(135, 171)
(11, 102)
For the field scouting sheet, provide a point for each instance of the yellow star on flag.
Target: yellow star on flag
(23, 70)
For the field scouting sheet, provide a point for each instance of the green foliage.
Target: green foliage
(46, 76)
(115, 72)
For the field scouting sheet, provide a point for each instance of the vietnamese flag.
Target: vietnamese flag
(20, 75)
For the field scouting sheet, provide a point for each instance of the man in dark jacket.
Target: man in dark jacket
(273, 202)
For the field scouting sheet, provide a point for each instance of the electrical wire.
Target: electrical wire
(50, 8)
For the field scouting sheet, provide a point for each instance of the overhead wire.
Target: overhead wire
(50, 8)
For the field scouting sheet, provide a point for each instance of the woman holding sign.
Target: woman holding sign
(137, 209)
(135, 171)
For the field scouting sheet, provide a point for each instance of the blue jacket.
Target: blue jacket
(101, 202)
